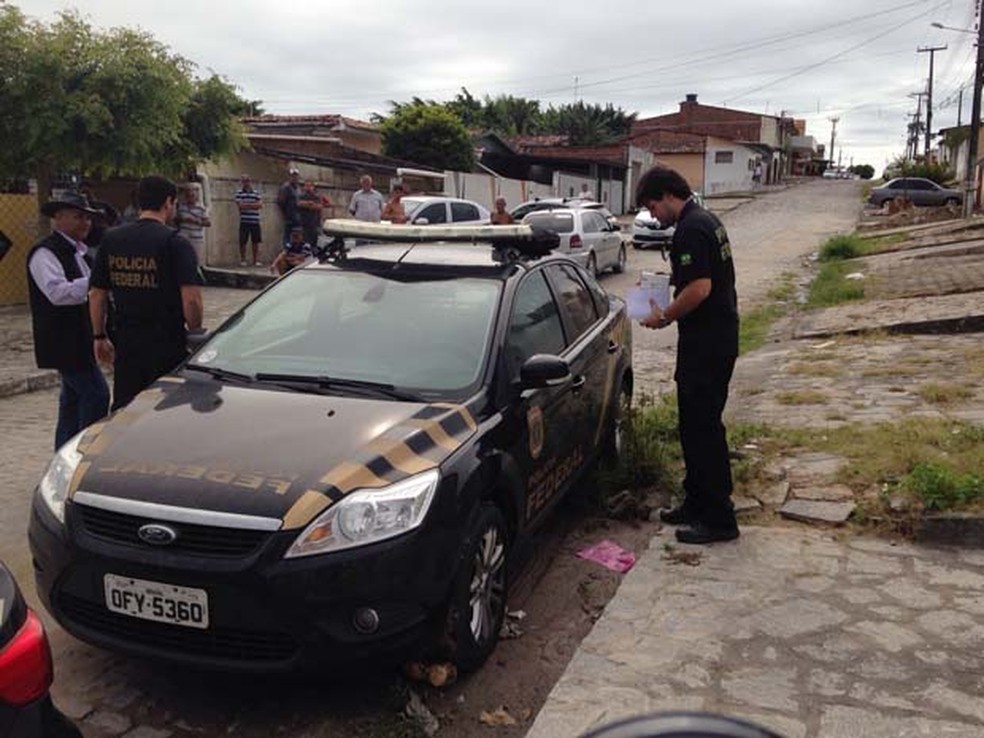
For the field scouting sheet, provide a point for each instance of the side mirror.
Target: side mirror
(615, 227)
(197, 340)
(543, 370)
(421, 221)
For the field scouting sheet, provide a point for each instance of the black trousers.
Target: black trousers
(139, 363)
(702, 391)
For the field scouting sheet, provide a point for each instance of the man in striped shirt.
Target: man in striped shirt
(249, 203)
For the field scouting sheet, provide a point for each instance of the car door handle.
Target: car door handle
(613, 347)
(577, 383)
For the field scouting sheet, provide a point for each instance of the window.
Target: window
(898, 184)
(593, 223)
(921, 184)
(597, 292)
(435, 213)
(535, 326)
(724, 157)
(464, 211)
(575, 299)
(551, 221)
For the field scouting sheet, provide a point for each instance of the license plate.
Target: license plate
(162, 603)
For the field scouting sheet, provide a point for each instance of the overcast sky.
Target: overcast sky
(813, 59)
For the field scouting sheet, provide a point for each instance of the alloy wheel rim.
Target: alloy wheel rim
(488, 585)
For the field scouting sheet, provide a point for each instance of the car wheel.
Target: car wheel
(614, 444)
(592, 265)
(619, 266)
(952, 201)
(478, 598)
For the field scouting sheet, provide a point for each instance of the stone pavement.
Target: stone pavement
(794, 629)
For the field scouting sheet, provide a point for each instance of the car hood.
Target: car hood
(198, 443)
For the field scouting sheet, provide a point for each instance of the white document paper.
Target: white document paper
(638, 298)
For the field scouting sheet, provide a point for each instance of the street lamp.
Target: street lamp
(975, 118)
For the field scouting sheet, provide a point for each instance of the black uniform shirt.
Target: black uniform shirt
(701, 250)
(144, 265)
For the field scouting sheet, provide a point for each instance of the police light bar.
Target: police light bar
(526, 239)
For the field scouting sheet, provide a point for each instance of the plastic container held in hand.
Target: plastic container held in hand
(652, 286)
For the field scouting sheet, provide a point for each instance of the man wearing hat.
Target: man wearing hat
(58, 282)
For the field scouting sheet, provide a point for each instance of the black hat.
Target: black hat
(72, 200)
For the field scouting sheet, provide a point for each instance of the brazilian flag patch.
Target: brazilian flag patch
(686, 259)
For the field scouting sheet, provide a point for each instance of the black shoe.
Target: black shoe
(700, 533)
(677, 516)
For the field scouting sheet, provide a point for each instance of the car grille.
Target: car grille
(216, 642)
(204, 540)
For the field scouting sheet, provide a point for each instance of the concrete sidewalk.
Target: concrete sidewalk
(801, 631)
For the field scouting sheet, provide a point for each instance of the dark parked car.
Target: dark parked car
(920, 191)
(345, 468)
(26, 710)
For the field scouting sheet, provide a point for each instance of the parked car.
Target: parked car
(345, 468)
(585, 235)
(647, 231)
(920, 191)
(431, 210)
(552, 203)
(26, 709)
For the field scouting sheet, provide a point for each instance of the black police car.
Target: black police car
(344, 469)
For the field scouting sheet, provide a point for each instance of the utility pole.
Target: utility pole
(929, 93)
(975, 120)
(959, 105)
(833, 137)
(918, 123)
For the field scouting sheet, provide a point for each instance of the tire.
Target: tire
(614, 443)
(592, 265)
(619, 266)
(478, 597)
(952, 202)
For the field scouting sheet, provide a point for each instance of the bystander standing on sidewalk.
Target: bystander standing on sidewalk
(250, 203)
(152, 275)
(192, 220)
(287, 198)
(58, 283)
(393, 211)
(705, 306)
(366, 204)
(309, 206)
(501, 216)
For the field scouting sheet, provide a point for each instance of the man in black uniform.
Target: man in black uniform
(152, 273)
(58, 282)
(705, 305)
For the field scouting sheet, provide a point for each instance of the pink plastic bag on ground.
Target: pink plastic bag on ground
(610, 555)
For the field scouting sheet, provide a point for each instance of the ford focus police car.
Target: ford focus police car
(345, 468)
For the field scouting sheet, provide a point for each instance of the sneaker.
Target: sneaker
(677, 516)
(242, 263)
(256, 264)
(700, 534)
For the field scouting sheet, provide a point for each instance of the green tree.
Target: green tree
(864, 171)
(99, 103)
(427, 133)
(587, 125)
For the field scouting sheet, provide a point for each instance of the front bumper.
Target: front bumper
(266, 613)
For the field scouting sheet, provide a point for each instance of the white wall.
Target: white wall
(723, 178)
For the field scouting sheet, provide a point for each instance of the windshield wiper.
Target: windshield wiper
(218, 373)
(338, 383)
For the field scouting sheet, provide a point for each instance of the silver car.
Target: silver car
(585, 235)
(435, 210)
(647, 231)
(916, 189)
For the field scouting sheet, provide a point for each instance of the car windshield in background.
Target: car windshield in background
(410, 204)
(551, 221)
(427, 336)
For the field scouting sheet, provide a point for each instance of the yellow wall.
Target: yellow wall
(19, 221)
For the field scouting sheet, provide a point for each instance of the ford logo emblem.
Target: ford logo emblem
(156, 534)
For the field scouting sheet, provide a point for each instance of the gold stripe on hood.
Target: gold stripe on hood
(308, 506)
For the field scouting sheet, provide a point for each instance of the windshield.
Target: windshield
(551, 221)
(428, 335)
(412, 203)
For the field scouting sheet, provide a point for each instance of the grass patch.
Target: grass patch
(830, 287)
(844, 246)
(815, 369)
(785, 288)
(802, 397)
(755, 326)
(874, 244)
(940, 487)
(944, 394)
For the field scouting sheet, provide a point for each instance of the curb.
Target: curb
(238, 280)
(952, 530)
(30, 383)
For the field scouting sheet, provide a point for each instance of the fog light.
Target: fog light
(365, 620)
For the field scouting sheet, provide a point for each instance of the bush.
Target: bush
(841, 247)
(830, 287)
(940, 487)
(936, 172)
(864, 171)
(651, 451)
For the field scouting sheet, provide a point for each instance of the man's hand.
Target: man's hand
(656, 318)
(105, 352)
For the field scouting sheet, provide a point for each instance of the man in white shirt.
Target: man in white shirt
(367, 204)
(58, 284)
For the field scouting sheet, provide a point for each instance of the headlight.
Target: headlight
(54, 484)
(368, 516)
